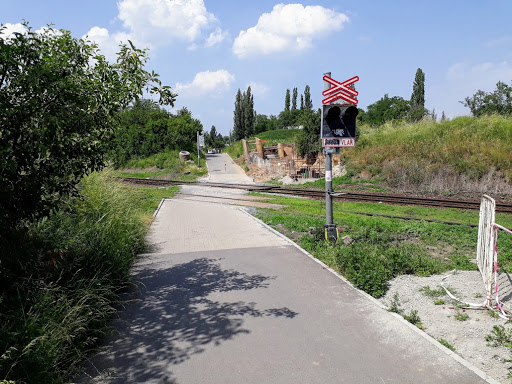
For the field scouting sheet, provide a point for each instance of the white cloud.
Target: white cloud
(162, 21)
(109, 43)
(480, 76)
(290, 27)
(9, 29)
(464, 80)
(215, 37)
(206, 83)
(258, 89)
(504, 40)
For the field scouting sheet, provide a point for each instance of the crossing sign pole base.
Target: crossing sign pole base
(331, 233)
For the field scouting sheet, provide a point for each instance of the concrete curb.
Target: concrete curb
(423, 334)
(158, 208)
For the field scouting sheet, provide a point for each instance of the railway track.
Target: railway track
(501, 206)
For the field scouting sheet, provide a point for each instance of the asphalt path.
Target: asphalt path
(223, 299)
(222, 169)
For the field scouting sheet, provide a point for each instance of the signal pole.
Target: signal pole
(331, 232)
(198, 151)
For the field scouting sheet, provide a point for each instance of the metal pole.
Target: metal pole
(328, 173)
(331, 232)
(198, 153)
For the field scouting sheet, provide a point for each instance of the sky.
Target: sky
(208, 49)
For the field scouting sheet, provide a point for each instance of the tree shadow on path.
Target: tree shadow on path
(172, 319)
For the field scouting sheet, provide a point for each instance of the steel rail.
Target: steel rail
(502, 207)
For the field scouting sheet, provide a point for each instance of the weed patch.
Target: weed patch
(413, 318)
(461, 316)
(500, 336)
(433, 292)
(447, 344)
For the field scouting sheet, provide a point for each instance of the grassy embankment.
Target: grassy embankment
(61, 291)
(463, 156)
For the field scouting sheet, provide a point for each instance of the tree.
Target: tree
(261, 124)
(248, 108)
(59, 103)
(141, 130)
(308, 104)
(301, 102)
(387, 109)
(499, 101)
(182, 130)
(287, 100)
(418, 96)
(308, 139)
(213, 139)
(238, 118)
(294, 99)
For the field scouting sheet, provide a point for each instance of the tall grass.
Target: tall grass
(165, 164)
(56, 307)
(279, 136)
(234, 150)
(466, 153)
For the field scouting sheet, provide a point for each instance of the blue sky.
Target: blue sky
(207, 49)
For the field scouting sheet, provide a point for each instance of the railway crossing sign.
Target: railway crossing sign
(340, 90)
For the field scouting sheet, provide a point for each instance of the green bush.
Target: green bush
(371, 262)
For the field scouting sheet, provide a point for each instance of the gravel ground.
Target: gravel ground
(449, 322)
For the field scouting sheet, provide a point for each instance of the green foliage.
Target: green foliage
(439, 302)
(413, 318)
(387, 109)
(418, 110)
(238, 117)
(235, 150)
(447, 344)
(417, 155)
(213, 139)
(279, 136)
(57, 306)
(248, 107)
(497, 102)
(372, 261)
(244, 115)
(500, 337)
(294, 99)
(382, 248)
(433, 292)
(308, 103)
(170, 165)
(461, 316)
(59, 103)
(394, 306)
(146, 129)
(308, 139)
(287, 101)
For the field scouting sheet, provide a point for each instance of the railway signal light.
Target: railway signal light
(339, 121)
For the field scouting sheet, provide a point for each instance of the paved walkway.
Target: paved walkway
(222, 169)
(225, 300)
